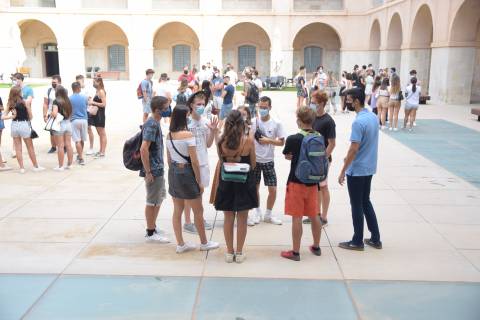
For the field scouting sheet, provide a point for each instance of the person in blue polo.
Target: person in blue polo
(359, 166)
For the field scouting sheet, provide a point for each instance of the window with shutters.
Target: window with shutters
(116, 58)
(247, 56)
(312, 58)
(181, 57)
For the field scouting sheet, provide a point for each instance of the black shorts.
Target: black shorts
(98, 120)
(269, 174)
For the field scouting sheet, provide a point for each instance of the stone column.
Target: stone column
(281, 63)
(71, 60)
(451, 74)
(418, 59)
(349, 58)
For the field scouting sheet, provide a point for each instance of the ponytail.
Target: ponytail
(414, 84)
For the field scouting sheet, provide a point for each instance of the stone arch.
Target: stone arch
(235, 39)
(420, 44)
(375, 43)
(40, 52)
(394, 42)
(317, 35)
(167, 41)
(106, 48)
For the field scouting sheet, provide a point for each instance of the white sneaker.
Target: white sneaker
(395, 129)
(21, 171)
(69, 167)
(272, 220)
(59, 169)
(5, 168)
(414, 124)
(257, 216)
(390, 128)
(156, 238)
(382, 127)
(185, 248)
(159, 231)
(229, 257)
(38, 169)
(90, 152)
(210, 245)
(240, 257)
(250, 222)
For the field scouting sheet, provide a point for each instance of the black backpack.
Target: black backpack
(132, 159)
(253, 95)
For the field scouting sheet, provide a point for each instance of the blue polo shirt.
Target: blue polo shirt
(27, 91)
(364, 132)
(79, 106)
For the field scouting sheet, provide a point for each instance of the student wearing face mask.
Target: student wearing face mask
(47, 107)
(269, 133)
(204, 133)
(359, 166)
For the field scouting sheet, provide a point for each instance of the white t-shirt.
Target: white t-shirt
(201, 132)
(258, 83)
(50, 95)
(182, 147)
(321, 80)
(162, 88)
(413, 98)
(272, 129)
(233, 77)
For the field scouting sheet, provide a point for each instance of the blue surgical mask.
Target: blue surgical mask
(200, 109)
(313, 106)
(263, 112)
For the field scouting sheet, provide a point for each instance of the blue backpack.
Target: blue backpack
(312, 166)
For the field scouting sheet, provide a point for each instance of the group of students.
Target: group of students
(66, 117)
(245, 139)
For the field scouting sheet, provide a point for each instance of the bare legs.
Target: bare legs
(409, 119)
(297, 231)
(197, 208)
(393, 110)
(17, 142)
(228, 230)
(103, 139)
(151, 214)
(91, 137)
(324, 201)
(64, 142)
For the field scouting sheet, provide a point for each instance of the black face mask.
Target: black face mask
(349, 106)
(54, 85)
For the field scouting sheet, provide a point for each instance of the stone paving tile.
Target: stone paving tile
(449, 214)
(416, 300)
(48, 230)
(32, 257)
(19, 292)
(7, 206)
(77, 297)
(461, 236)
(473, 256)
(265, 262)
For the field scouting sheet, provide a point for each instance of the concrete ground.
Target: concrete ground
(72, 243)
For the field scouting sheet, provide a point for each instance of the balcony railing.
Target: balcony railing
(33, 3)
(175, 5)
(247, 4)
(317, 5)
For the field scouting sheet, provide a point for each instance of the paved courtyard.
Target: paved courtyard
(72, 243)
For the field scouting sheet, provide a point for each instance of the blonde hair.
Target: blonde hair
(395, 84)
(306, 115)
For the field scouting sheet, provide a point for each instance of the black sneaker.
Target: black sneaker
(376, 245)
(350, 246)
(316, 251)
(52, 150)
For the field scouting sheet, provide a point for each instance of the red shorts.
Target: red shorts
(301, 200)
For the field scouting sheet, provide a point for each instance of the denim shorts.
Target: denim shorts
(225, 110)
(65, 128)
(21, 129)
(182, 183)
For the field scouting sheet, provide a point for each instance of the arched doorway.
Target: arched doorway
(40, 46)
(106, 51)
(314, 45)
(420, 44)
(241, 50)
(465, 59)
(374, 45)
(394, 43)
(175, 45)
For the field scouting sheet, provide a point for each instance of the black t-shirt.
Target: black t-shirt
(293, 146)
(325, 125)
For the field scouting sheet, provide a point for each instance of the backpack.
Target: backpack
(182, 99)
(312, 166)
(140, 91)
(253, 94)
(132, 159)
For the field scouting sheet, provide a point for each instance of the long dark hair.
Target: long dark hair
(206, 89)
(233, 132)
(414, 84)
(14, 97)
(384, 84)
(63, 102)
(179, 118)
(376, 83)
(99, 81)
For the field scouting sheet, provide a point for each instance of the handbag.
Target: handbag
(93, 110)
(53, 123)
(234, 171)
(400, 96)
(33, 133)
